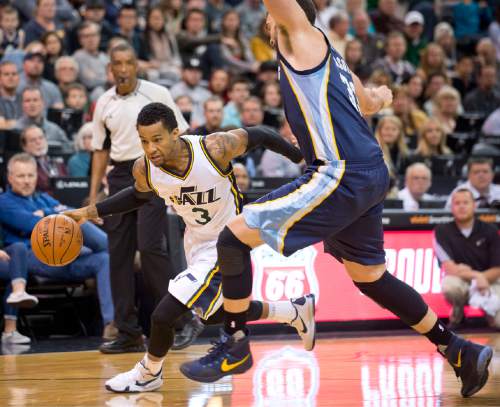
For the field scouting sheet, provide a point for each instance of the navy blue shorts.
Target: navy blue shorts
(338, 203)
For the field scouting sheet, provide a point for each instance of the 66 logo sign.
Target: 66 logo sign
(277, 278)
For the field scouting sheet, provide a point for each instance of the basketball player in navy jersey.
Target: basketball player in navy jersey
(338, 201)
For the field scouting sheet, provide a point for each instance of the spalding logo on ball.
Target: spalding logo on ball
(56, 240)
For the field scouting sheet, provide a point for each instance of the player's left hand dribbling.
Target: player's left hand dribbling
(78, 215)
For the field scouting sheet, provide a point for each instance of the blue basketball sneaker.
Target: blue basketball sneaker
(470, 362)
(229, 355)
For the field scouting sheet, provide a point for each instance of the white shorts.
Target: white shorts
(199, 286)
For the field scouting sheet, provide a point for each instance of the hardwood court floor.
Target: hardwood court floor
(378, 371)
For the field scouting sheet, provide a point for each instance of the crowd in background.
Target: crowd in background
(441, 59)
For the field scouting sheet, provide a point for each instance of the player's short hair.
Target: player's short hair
(309, 8)
(479, 160)
(20, 158)
(157, 112)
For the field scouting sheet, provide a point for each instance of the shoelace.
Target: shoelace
(217, 349)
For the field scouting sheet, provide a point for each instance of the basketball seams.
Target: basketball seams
(69, 244)
(53, 241)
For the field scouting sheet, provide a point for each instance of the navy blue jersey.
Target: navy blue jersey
(323, 112)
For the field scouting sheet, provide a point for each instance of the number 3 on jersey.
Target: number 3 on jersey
(351, 90)
(204, 216)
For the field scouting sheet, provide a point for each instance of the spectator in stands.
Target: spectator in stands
(480, 176)
(259, 44)
(44, 20)
(486, 97)
(235, 49)
(494, 31)
(275, 165)
(128, 29)
(434, 83)
(93, 11)
(268, 72)
(467, 16)
(79, 163)
(415, 86)
(214, 11)
(239, 91)
(486, 54)
(407, 111)
(380, 77)
(338, 34)
(22, 208)
(384, 18)
(469, 252)
(193, 39)
(356, 61)
(415, 42)
(11, 37)
(390, 135)
(54, 48)
(91, 61)
(373, 44)
(76, 98)
(219, 83)
(251, 12)
(66, 71)
(432, 60)
(431, 142)
(273, 105)
(10, 100)
(324, 13)
(33, 114)
(190, 86)
(418, 180)
(14, 271)
(491, 126)
(213, 110)
(447, 106)
(445, 37)
(463, 79)
(34, 143)
(163, 54)
(393, 63)
(242, 178)
(32, 77)
(185, 105)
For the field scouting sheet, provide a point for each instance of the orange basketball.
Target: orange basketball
(56, 240)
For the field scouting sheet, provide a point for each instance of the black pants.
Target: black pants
(142, 230)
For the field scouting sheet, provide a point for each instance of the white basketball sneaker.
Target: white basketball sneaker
(137, 380)
(304, 321)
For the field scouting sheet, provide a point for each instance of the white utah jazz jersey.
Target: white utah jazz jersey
(206, 197)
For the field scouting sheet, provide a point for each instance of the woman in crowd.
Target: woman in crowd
(390, 136)
(79, 163)
(433, 60)
(259, 44)
(410, 115)
(447, 106)
(355, 60)
(164, 58)
(273, 107)
(431, 140)
(54, 48)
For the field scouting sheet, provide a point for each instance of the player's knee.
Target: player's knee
(232, 253)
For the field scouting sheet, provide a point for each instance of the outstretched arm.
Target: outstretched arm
(224, 146)
(371, 100)
(126, 200)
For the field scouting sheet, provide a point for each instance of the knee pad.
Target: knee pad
(232, 253)
(396, 296)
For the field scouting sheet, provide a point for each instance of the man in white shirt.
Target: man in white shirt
(418, 179)
(115, 141)
(480, 182)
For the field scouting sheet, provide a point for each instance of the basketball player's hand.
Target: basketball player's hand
(385, 94)
(4, 256)
(83, 214)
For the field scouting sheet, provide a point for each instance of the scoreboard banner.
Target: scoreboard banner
(409, 255)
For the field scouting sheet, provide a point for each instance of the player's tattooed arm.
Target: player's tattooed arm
(224, 146)
(140, 175)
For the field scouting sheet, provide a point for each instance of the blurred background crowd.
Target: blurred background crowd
(440, 58)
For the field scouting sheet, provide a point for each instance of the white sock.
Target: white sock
(281, 311)
(151, 365)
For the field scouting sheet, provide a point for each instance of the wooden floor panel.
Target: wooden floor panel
(378, 372)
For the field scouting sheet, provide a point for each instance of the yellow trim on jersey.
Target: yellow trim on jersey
(236, 193)
(328, 107)
(211, 161)
(148, 175)
(307, 210)
(304, 115)
(203, 287)
(191, 160)
(214, 301)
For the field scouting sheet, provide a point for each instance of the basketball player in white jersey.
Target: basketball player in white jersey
(194, 175)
